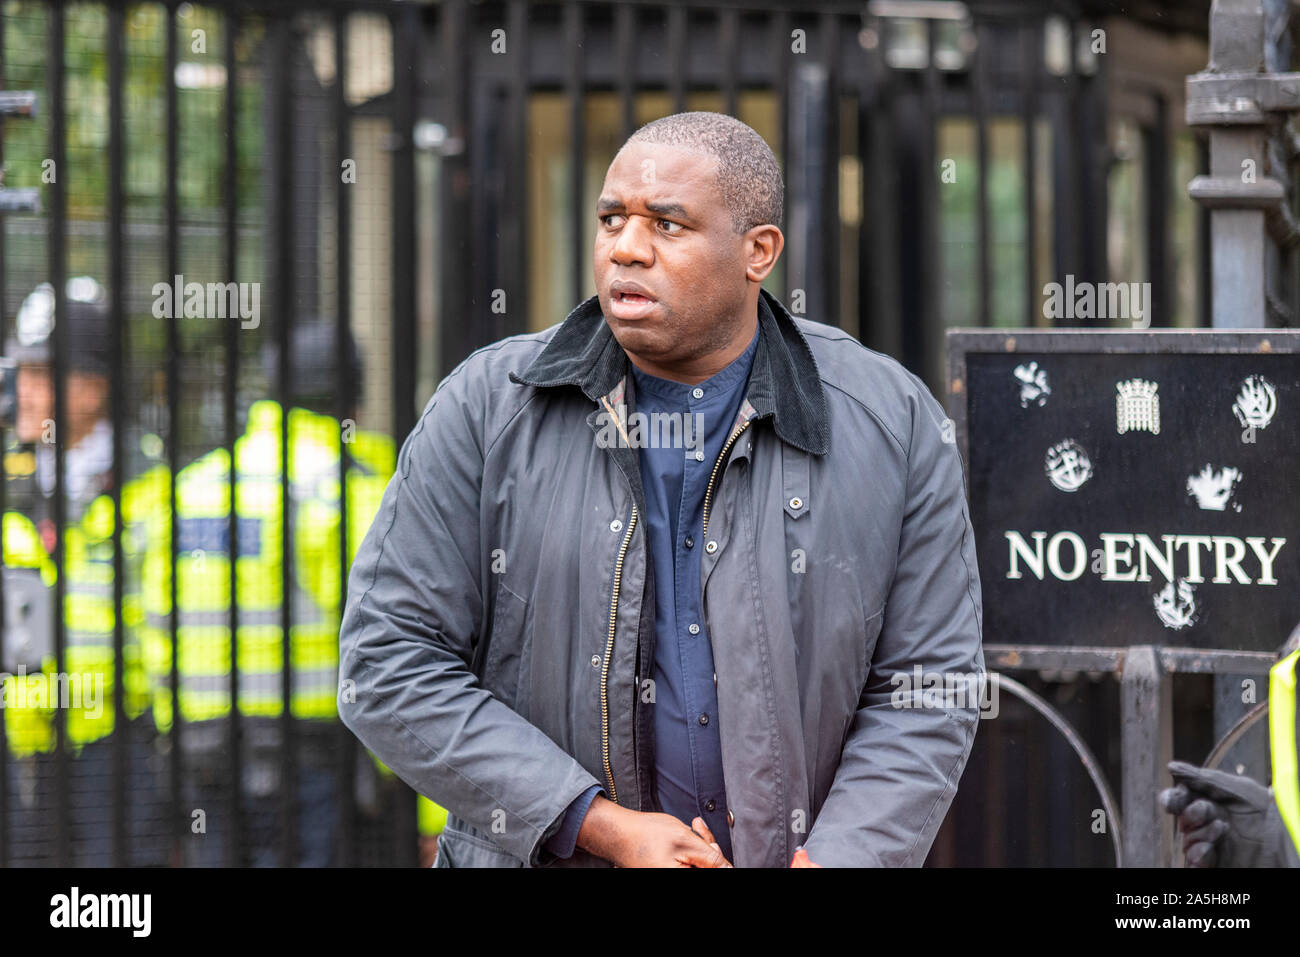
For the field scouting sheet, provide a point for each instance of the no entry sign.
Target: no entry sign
(1132, 488)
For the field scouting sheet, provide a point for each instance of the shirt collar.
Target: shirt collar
(730, 376)
(783, 382)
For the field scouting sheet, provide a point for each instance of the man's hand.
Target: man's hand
(801, 859)
(702, 829)
(1226, 820)
(644, 839)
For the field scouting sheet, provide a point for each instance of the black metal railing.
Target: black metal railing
(239, 180)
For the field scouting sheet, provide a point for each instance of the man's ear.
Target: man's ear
(763, 245)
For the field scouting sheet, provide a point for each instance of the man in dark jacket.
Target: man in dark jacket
(682, 581)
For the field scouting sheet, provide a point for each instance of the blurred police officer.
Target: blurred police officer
(1230, 820)
(313, 588)
(34, 689)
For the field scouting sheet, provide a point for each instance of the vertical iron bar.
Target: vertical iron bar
(1030, 46)
(881, 326)
(406, 25)
(517, 166)
(1204, 266)
(728, 43)
(829, 36)
(1146, 746)
(625, 45)
(1094, 208)
(58, 269)
(283, 244)
(979, 94)
(405, 80)
(781, 84)
(1157, 157)
(576, 95)
(4, 508)
(234, 829)
(347, 749)
(173, 421)
(1065, 177)
(116, 120)
(869, 267)
(678, 55)
(931, 355)
(455, 225)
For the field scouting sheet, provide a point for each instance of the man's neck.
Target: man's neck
(698, 369)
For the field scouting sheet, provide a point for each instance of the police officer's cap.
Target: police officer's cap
(88, 333)
(315, 379)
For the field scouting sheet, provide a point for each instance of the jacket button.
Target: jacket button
(711, 547)
(731, 818)
(704, 719)
(595, 661)
(615, 526)
(710, 804)
(796, 503)
(715, 679)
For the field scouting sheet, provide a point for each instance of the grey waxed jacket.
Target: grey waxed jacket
(497, 644)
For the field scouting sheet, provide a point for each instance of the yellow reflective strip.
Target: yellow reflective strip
(1282, 741)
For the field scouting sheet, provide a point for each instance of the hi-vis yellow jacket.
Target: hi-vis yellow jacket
(84, 685)
(1282, 734)
(203, 570)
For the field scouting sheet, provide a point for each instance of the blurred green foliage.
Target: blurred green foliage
(200, 106)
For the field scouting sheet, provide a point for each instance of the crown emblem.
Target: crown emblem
(1137, 406)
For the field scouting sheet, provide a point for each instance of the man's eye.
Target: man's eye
(607, 217)
(669, 222)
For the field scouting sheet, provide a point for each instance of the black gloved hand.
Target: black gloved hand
(1226, 820)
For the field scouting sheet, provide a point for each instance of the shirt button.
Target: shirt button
(699, 456)
(731, 818)
(690, 542)
(704, 719)
(711, 547)
(710, 804)
(698, 393)
(693, 628)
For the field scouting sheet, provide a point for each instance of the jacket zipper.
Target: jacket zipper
(609, 650)
(708, 492)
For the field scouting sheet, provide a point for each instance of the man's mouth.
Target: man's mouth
(630, 305)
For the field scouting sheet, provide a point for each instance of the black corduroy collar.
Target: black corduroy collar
(783, 383)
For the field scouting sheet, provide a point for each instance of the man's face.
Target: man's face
(35, 401)
(85, 393)
(664, 227)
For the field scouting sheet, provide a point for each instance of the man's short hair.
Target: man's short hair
(748, 173)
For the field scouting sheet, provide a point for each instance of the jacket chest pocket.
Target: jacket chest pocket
(508, 646)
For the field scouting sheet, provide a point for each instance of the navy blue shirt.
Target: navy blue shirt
(688, 749)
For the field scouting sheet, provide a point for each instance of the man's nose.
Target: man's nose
(633, 243)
